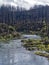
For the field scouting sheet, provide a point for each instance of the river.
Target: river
(13, 53)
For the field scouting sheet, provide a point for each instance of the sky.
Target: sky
(24, 3)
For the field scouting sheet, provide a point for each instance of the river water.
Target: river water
(13, 53)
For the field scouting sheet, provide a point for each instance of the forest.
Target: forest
(25, 20)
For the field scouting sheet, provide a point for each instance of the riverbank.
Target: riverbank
(36, 45)
(8, 32)
(8, 37)
(42, 54)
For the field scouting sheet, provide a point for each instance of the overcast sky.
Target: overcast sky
(25, 3)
